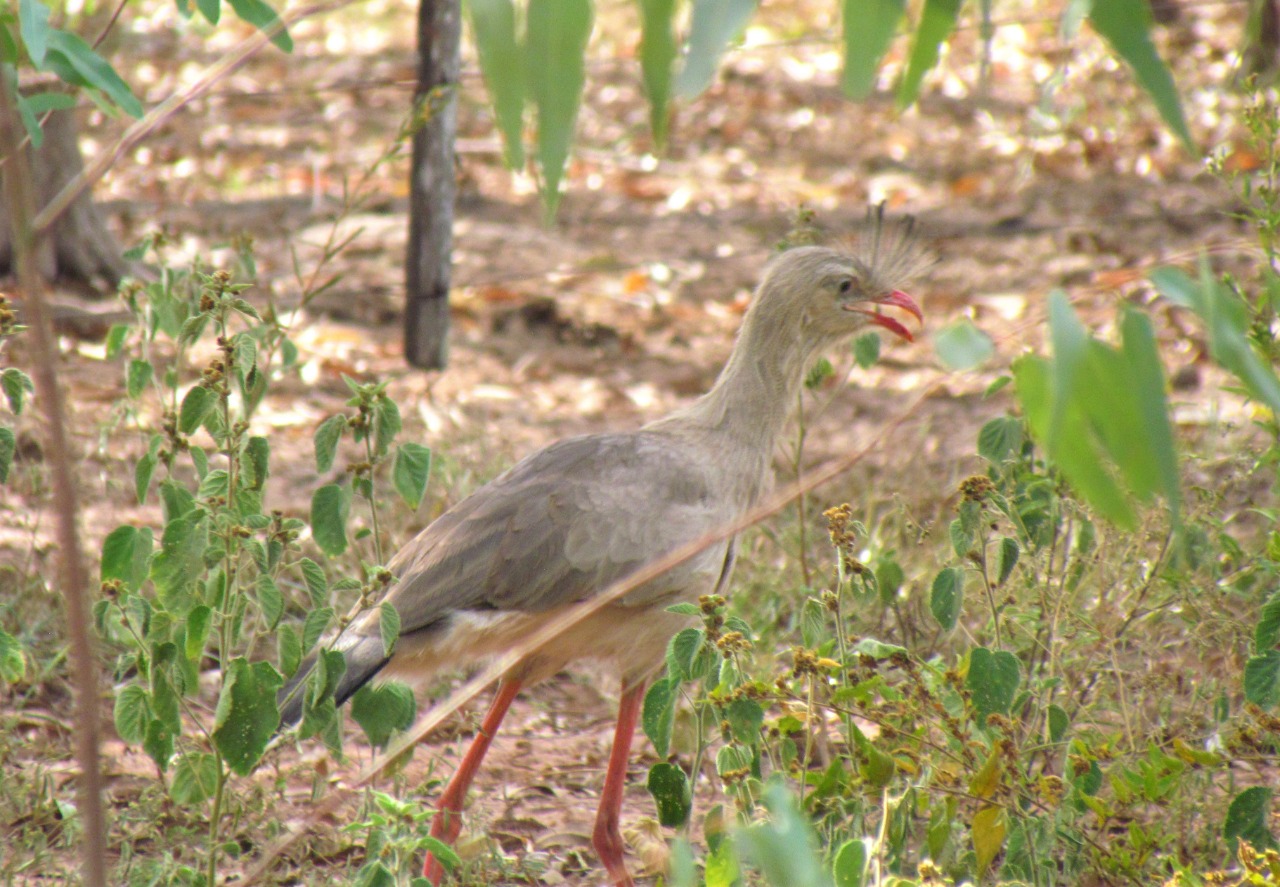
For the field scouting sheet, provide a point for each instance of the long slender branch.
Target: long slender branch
(237, 56)
(72, 574)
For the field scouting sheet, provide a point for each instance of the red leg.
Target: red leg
(606, 838)
(448, 821)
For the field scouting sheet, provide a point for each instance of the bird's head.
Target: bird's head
(828, 294)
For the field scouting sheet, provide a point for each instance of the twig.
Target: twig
(73, 577)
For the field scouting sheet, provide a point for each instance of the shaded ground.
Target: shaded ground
(649, 266)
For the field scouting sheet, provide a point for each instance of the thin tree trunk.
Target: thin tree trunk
(72, 577)
(79, 246)
(431, 188)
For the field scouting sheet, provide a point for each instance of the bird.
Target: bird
(572, 519)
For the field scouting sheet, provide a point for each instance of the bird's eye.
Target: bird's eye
(845, 286)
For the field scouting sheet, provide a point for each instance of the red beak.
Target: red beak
(898, 299)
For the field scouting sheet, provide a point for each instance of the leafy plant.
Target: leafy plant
(208, 590)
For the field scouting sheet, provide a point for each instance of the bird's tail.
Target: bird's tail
(365, 658)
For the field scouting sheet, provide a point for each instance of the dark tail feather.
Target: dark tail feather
(364, 660)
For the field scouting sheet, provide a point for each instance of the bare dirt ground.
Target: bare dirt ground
(648, 267)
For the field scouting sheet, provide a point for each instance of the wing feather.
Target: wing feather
(563, 524)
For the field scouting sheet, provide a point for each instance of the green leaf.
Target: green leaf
(164, 698)
(849, 865)
(685, 609)
(682, 652)
(181, 556)
(1071, 446)
(813, 623)
(124, 556)
(42, 103)
(383, 710)
(8, 446)
(1266, 634)
(1177, 286)
(947, 597)
(1225, 320)
(195, 778)
(13, 659)
(1126, 25)
(257, 462)
(556, 43)
(263, 17)
(443, 853)
(33, 25)
(657, 61)
(671, 793)
(143, 472)
(493, 22)
(1059, 723)
(386, 424)
(137, 377)
(999, 439)
(270, 600)
(993, 681)
(247, 716)
(937, 21)
(30, 120)
(75, 62)
(132, 713)
(962, 539)
(177, 500)
(195, 408)
(962, 346)
(326, 441)
(869, 28)
(16, 385)
(210, 9)
(1247, 819)
(410, 472)
(1006, 559)
(866, 348)
(989, 825)
(1262, 679)
(388, 627)
(157, 742)
(659, 714)
(784, 848)
(889, 579)
(198, 622)
(317, 622)
(1146, 382)
(288, 650)
(330, 507)
(820, 372)
(317, 583)
(712, 25)
(745, 717)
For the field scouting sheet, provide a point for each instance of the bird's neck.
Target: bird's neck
(750, 403)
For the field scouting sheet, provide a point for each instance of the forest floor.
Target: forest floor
(626, 305)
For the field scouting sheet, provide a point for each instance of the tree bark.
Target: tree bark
(73, 579)
(80, 246)
(431, 187)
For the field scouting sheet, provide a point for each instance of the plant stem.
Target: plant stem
(215, 819)
(802, 501)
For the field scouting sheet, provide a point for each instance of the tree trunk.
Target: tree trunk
(79, 246)
(431, 187)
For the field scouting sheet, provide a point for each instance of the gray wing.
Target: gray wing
(561, 525)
